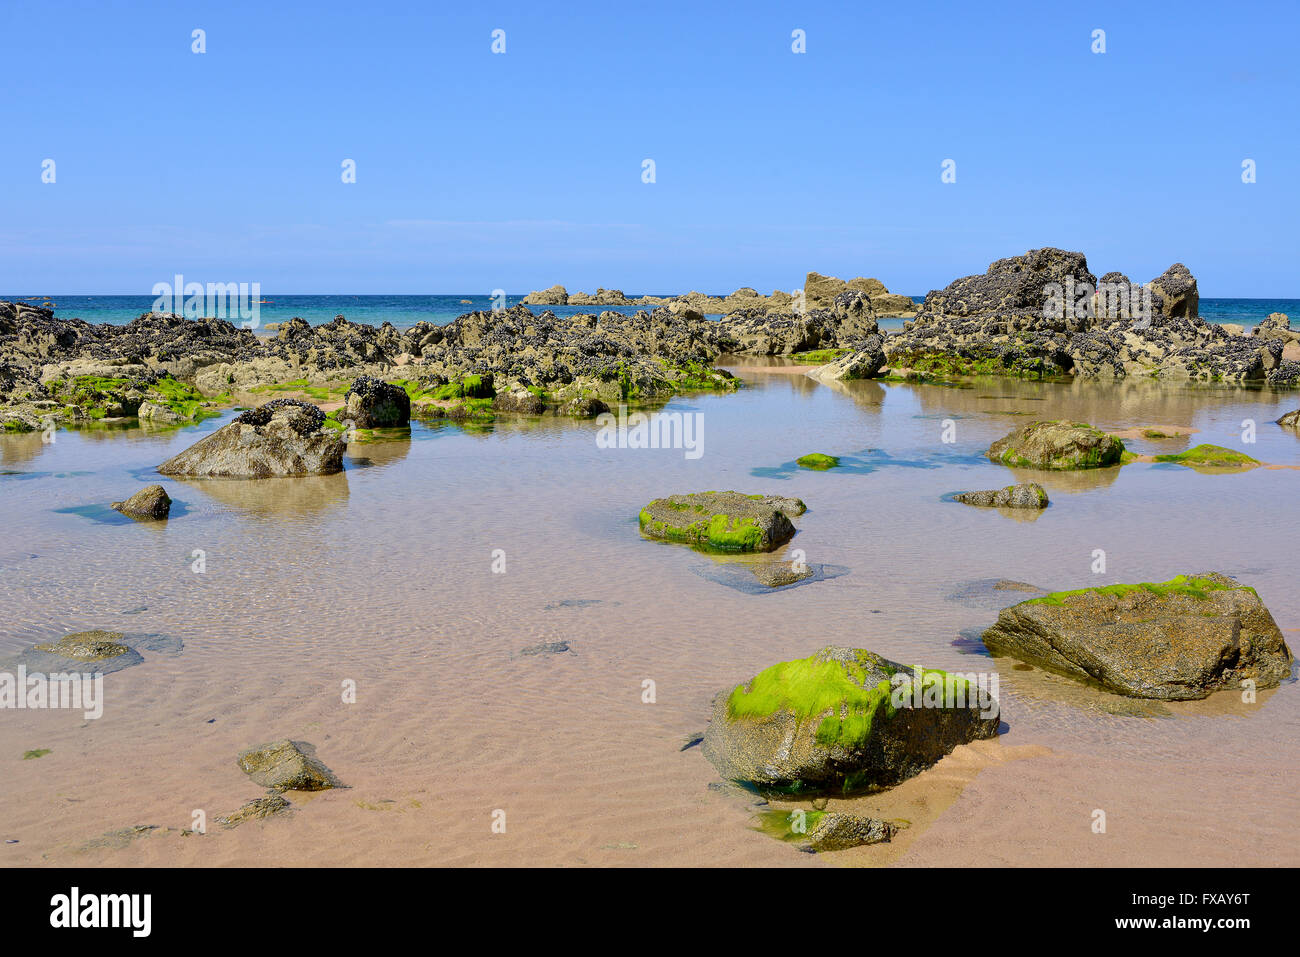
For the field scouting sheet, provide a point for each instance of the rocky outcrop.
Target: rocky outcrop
(821, 292)
(1057, 446)
(287, 766)
(601, 297)
(1175, 293)
(842, 720)
(557, 295)
(1180, 639)
(1013, 496)
(281, 438)
(150, 503)
(722, 521)
(1276, 326)
(372, 404)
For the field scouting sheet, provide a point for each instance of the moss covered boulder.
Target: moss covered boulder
(1057, 446)
(1211, 457)
(842, 720)
(150, 504)
(1175, 640)
(1030, 495)
(817, 461)
(722, 521)
(287, 766)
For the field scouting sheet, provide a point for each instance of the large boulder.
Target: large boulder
(842, 720)
(1030, 495)
(282, 437)
(152, 502)
(372, 404)
(1057, 446)
(1176, 640)
(722, 521)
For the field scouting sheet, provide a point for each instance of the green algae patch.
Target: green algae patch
(819, 356)
(1015, 362)
(35, 753)
(817, 461)
(781, 824)
(1210, 457)
(810, 687)
(1181, 585)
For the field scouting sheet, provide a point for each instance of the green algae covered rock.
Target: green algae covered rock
(722, 521)
(87, 646)
(287, 766)
(842, 720)
(817, 461)
(1211, 457)
(1057, 446)
(825, 830)
(1175, 640)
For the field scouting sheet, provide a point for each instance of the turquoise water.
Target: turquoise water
(405, 311)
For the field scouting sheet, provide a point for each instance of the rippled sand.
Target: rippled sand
(383, 576)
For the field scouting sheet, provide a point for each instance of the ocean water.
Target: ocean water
(406, 311)
(383, 575)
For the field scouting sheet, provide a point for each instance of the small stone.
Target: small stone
(148, 503)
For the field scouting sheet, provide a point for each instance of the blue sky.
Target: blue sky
(477, 171)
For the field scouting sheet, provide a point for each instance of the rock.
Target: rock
(835, 721)
(555, 296)
(546, 648)
(148, 503)
(88, 646)
(519, 402)
(817, 461)
(1057, 446)
(282, 437)
(257, 810)
(831, 831)
(1013, 496)
(1174, 292)
(1290, 421)
(1210, 457)
(722, 521)
(1277, 326)
(780, 574)
(287, 766)
(160, 414)
(1176, 640)
(863, 363)
(372, 404)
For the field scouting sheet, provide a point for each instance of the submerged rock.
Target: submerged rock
(148, 503)
(283, 437)
(88, 646)
(1290, 421)
(780, 574)
(818, 830)
(287, 766)
(832, 722)
(817, 461)
(1175, 640)
(257, 810)
(372, 404)
(1057, 446)
(722, 521)
(1031, 495)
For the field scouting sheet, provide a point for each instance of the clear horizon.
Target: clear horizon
(522, 169)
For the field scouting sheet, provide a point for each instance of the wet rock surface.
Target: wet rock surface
(1175, 640)
(287, 766)
(827, 723)
(1057, 446)
(151, 503)
(1029, 495)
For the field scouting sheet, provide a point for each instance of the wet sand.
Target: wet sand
(384, 576)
